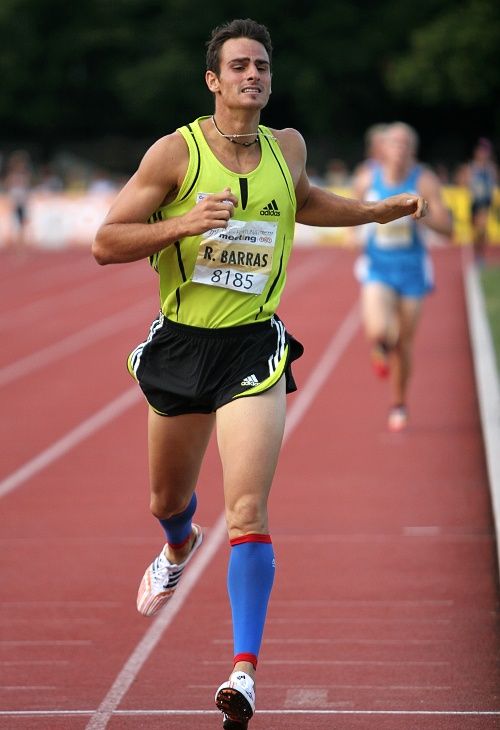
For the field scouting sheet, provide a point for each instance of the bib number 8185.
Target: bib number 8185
(233, 279)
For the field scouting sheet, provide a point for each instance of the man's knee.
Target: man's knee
(246, 514)
(165, 506)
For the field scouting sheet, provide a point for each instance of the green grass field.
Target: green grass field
(490, 280)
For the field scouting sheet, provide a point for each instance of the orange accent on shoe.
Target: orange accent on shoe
(161, 578)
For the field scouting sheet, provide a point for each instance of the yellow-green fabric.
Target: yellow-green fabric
(233, 276)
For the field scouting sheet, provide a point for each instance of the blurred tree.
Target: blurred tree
(454, 58)
(125, 70)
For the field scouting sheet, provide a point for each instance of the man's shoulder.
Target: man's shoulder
(170, 148)
(169, 143)
(291, 142)
(166, 160)
(363, 176)
(288, 135)
(427, 178)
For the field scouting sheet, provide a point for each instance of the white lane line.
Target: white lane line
(45, 713)
(424, 530)
(98, 331)
(46, 304)
(72, 439)
(35, 662)
(301, 403)
(373, 603)
(109, 412)
(46, 642)
(334, 685)
(73, 343)
(42, 621)
(331, 356)
(28, 688)
(339, 642)
(432, 713)
(64, 604)
(298, 275)
(340, 663)
(372, 537)
(180, 713)
(153, 635)
(362, 621)
(487, 384)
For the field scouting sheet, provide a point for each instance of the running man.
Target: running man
(395, 270)
(213, 206)
(482, 179)
(18, 183)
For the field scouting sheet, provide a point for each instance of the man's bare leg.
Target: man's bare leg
(250, 432)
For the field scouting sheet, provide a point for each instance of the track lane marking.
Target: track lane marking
(336, 347)
(70, 440)
(85, 292)
(119, 321)
(74, 343)
(179, 713)
(109, 412)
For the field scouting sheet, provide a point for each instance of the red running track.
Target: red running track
(385, 610)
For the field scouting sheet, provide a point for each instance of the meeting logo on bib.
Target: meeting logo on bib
(270, 209)
(238, 257)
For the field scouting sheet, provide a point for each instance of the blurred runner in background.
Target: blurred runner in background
(482, 179)
(395, 271)
(17, 183)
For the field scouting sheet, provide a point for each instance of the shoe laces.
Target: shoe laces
(164, 572)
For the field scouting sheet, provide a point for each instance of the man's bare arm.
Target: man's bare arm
(125, 234)
(438, 218)
(321, 207)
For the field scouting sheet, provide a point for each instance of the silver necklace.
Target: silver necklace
(231, 137)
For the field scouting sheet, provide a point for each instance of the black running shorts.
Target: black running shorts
(185, 369)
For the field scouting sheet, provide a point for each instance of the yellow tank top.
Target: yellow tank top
(235, 275)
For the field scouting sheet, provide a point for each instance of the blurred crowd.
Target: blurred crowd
(22, 180)
(26, 187)
(18, 172)
(337, 174)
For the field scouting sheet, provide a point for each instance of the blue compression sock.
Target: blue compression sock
(179, 527)
(249, 582)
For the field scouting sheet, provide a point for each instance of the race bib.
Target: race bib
(396, 234)
(239, 257)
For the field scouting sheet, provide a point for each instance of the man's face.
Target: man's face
(398, 146)
(244, 80)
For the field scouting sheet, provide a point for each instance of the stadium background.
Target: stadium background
(404, 631)
(86, 88)
(57, 220)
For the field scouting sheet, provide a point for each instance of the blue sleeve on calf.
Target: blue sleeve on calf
(249, 582)
(178, 527)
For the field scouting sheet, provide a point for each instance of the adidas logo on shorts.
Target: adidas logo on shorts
(250, 380)
(270, 209)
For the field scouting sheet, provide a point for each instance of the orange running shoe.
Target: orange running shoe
(380, 360)
(161, 579)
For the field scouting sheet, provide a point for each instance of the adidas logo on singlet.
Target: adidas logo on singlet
(250, 380)
(270, 209)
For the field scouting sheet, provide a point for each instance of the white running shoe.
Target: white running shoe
(398, 419)
(236, 699)
(161, 579)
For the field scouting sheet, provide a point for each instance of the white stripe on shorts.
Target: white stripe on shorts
(135, 355)
(275, 359)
